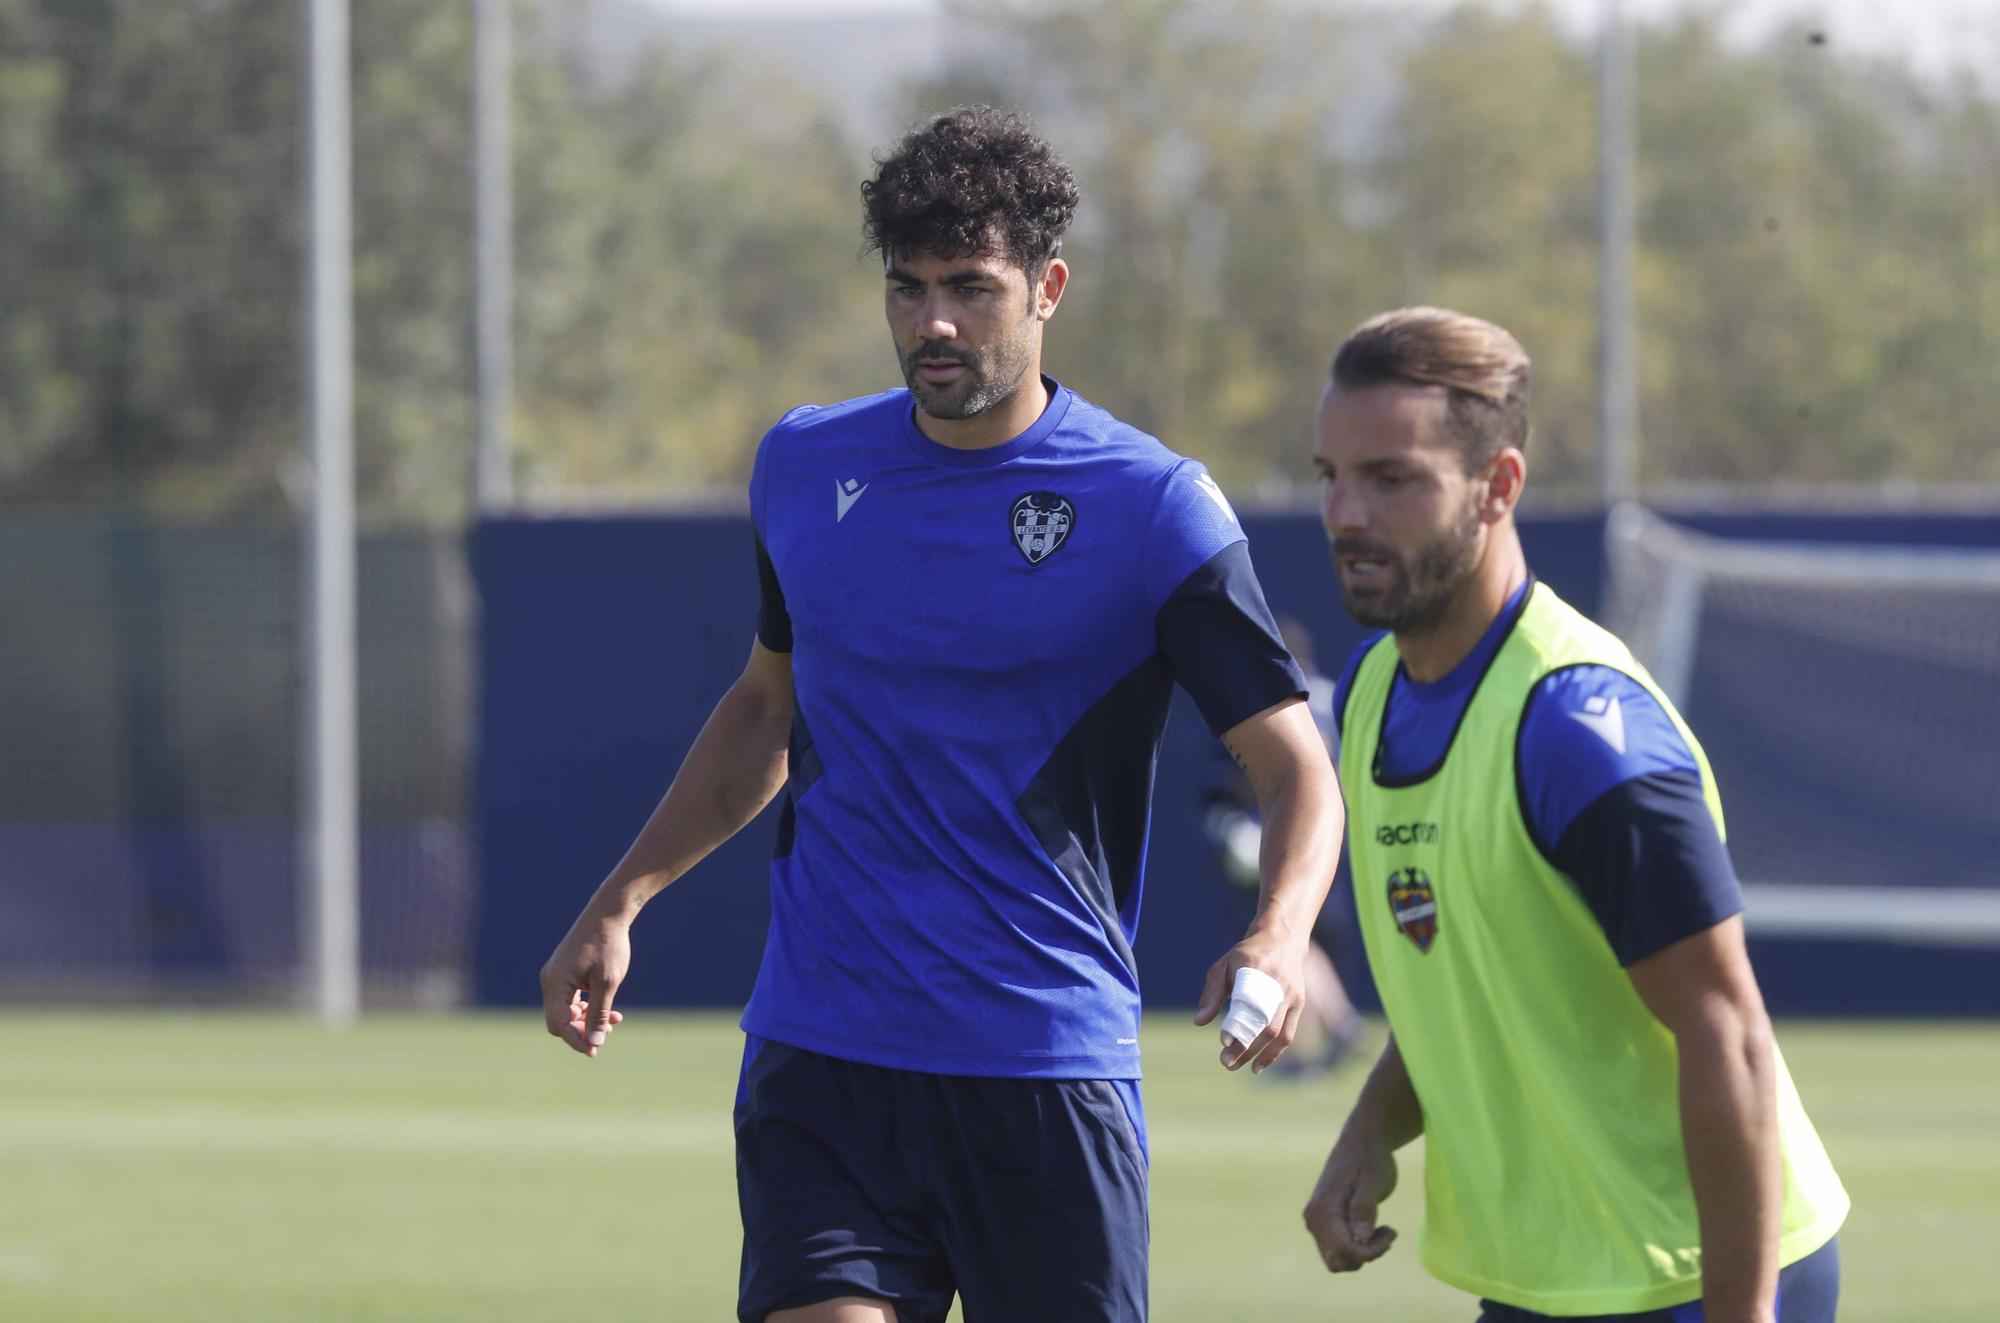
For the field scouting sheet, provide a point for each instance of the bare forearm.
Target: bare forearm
(1729, 1123)
(1300, 850)
(1387, 1110)
(735, 767)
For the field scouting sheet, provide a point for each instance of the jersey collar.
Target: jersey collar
(1038, 432)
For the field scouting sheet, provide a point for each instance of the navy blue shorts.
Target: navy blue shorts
(1024, 1197)
(1808, 1292)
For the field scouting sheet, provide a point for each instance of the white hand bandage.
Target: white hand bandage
(1252, 1002)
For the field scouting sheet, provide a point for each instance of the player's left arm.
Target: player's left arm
(1702, 988)
(1617, 793)
(1222, 645)
(1281, 751)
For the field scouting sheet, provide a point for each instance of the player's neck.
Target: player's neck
(1431, 654)
(996, 426)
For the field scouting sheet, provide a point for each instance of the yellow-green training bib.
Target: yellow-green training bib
(1555, 1178)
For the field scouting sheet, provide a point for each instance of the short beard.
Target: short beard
(1424, 591)
(974, 396)
(986, 383)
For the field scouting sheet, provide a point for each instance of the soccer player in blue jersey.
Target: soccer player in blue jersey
(1548, 903)
(977, 592)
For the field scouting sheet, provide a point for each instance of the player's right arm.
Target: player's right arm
(735, 768)
(1361, 1171)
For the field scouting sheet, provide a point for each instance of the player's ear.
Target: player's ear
(1049, 288)
(1506, 474)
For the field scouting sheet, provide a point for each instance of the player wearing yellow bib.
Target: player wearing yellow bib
(1537, 851)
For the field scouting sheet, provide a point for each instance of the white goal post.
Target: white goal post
(1854, 682)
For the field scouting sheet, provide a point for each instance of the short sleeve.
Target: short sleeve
(774, 619)
(1192, 521)
(1584, 730)
(1614, 797)
(760, 467)
(1650, 864)
(1222, 645)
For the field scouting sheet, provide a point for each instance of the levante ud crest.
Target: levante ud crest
(1041, 522)
(1415, 906)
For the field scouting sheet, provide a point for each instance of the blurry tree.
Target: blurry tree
(152, 279)
(1819, 280)
(1258, 180)
(39, 394)
(148, 265)
(1487, 175)
(687, 254)
(1819, 300)
(1222, 241)
(1820, 289)
(688, 267)
(413, 416)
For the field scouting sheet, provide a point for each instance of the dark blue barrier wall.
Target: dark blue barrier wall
(605, 643)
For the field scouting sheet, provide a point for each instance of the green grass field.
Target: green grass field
(217, 1168)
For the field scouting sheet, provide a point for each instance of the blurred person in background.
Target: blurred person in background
(1548, 905)
(1330, 1029)
(976, 595)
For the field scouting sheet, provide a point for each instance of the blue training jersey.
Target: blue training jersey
(983, 646)
(1610, 791)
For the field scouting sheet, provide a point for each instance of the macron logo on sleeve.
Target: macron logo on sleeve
(1605, 716)
(1214, 493)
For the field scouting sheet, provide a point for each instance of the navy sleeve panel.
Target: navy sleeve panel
(1650, 863)
(1192, 521)
(774, 621)
(1221, 644)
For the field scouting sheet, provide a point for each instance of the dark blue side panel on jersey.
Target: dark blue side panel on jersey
(1090, 803)
(804, 766)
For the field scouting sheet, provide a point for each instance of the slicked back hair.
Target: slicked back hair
(1483, 369)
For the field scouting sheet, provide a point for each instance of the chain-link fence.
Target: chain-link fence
(152, 327)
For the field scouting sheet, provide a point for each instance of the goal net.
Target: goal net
(1849, 699)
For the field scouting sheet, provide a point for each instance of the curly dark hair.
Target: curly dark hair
(971, 179)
